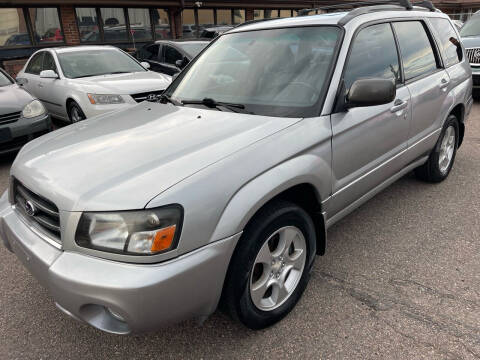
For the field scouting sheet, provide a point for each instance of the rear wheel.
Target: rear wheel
(442, 157)
(270, 267)
(75, 113)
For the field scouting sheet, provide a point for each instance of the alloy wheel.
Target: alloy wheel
(447, 149)
(278, 268)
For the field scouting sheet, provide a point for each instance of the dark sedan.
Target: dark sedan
(170, 56)
(22, 117)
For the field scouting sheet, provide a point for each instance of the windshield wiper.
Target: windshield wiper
(211, 103)
(164, 98)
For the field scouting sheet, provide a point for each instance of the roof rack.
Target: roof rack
(365, 7)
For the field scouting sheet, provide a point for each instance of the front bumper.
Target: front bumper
(98, 291)
(24, 130)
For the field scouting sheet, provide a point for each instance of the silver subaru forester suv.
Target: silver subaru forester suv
(222, 191)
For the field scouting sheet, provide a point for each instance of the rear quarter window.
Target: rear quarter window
(448, 41)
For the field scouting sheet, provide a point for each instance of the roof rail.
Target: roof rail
(390, 6)
(403, 3)
(399, 5)
(426, 4)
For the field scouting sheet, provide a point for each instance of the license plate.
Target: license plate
(5, 135)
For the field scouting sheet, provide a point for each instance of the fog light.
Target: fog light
(115, 315)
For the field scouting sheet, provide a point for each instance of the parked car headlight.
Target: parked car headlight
(32, 109)
(101, 99)
(143, 232)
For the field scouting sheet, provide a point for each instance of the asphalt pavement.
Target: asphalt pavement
(400, 280)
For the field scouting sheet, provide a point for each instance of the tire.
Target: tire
(75, 113)
(442, 157)
(258, 260)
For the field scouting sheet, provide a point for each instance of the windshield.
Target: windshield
(84, 63)
(4, 79)
(471, 27)
(193, 49)
(275, 72)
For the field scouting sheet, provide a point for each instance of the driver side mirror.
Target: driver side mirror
(182, 63)
(48, 74)
(145, 64)
(370, 92)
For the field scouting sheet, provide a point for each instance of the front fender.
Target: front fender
(305, 169)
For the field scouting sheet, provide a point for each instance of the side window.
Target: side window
(49, 62)
(373, 55)
(35, 65)
(448, 40)
(417, 53)
(172, 55)
(149, 52)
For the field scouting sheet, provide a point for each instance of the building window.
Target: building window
(270, 14)
(13, 28)
(238, 16)
(258, 14)
(162, 24)
(205, 20)
(88, 24)
(140, 26)
(46, 25)
(224, 17)
(114, 25)
(188, 23)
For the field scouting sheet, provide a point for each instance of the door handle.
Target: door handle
(40, 85)
(444, 83)
(398, 105)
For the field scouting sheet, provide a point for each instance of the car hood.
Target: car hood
(13, 99)
(471, 41)
(125, 84)
(122, 160)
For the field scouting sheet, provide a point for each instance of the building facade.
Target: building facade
(28, 25)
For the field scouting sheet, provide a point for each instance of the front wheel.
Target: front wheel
(75, 113)
(270, 267)
(441, 159)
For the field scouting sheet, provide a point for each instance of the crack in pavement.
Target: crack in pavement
(380, 302)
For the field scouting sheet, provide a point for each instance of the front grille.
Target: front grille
(9, 118)
(473, 55)
(38, 210)
(145, 95)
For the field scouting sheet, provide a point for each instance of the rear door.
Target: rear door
(427, 81)
(368, 142)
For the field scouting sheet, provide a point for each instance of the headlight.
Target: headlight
(35, 108)
(98, 99)
(143, 232)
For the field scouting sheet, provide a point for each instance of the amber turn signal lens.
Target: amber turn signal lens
(163, 239)
(92, 100)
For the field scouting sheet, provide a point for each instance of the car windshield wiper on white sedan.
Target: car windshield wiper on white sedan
(211, 103)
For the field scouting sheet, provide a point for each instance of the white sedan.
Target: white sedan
(75, 83)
